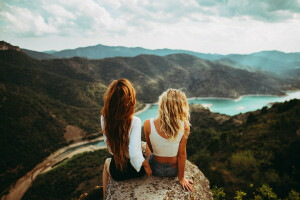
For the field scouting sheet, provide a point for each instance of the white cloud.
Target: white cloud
(58, 11)
(226, 26)
(25, 22)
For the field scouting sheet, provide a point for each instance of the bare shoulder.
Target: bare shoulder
(147, 125)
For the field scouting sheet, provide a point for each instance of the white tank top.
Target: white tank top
(161, 146)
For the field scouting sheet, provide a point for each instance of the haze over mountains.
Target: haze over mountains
(280, 63)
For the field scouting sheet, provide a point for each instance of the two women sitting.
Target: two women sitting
(166, 136)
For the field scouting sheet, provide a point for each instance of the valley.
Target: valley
(234, 152)
(43, 103)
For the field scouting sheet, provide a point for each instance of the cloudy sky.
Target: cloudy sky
(208, 26)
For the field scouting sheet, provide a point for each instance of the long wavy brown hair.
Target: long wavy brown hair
(118, 109)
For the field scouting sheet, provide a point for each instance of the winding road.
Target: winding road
(17, 191)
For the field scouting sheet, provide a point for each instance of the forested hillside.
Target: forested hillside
(35, 107)
(256, 152)
(257, 148)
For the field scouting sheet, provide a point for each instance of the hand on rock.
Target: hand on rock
(186, 184)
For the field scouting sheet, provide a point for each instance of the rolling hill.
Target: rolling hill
(38, 55)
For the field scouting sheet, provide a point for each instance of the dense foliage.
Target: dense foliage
(70, 179)
(256, 148)
(264, 192)
(35, 107)
(28, 133)
(248, 156)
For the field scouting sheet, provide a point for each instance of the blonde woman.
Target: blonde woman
(167, 136)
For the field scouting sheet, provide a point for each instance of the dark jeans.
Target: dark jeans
(162, 169)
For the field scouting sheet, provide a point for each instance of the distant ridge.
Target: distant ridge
(275, 62)
(50, 51)
(38, 55)
(101, 51)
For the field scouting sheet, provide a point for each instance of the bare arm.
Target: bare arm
(185, 183)
(147, 131)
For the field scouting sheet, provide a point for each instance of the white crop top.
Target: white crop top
(135, 149)
(162, 146)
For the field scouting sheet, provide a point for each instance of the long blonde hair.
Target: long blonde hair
(173, 109)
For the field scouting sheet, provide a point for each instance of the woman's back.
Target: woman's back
(162, 146)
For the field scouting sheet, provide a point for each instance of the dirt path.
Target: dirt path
(17, 191)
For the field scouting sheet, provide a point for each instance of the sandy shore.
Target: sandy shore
(144, 109)
(17, 191)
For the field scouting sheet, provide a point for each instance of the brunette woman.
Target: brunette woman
(167, 136)
(122, 134)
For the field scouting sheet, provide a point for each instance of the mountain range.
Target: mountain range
(276, 62)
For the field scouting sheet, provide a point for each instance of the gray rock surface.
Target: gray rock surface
(161, 188)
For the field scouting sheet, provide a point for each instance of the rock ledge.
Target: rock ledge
(161, 188)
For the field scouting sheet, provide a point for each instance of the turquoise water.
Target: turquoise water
(229, 106)
(100, 143)
(97, 143)
(218, 105)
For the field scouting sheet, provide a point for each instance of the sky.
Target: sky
(207, 26)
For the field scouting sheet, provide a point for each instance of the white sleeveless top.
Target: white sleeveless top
(161, 146)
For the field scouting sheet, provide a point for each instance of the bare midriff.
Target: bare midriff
(170, 160)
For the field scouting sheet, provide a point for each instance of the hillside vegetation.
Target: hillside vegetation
(40, 98)
(255, 148)
(247, 156)
(35, 107)
(151, 75)
(72, 178)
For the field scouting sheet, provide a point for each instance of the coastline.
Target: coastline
(245, 95)
(101, 138)
(147, 105)
(239, 98)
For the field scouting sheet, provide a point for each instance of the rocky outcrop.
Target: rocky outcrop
(161, 188)
(6, 46)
